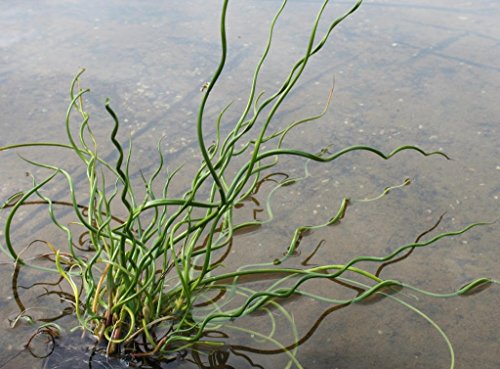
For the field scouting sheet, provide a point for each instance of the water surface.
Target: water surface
(406, 72)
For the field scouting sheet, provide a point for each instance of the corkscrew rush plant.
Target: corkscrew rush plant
(154, 266)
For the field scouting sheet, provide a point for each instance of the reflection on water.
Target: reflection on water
(406, 72)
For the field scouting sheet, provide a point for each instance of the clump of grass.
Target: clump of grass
(152, 272)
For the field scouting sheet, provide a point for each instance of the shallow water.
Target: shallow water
(407, 72)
